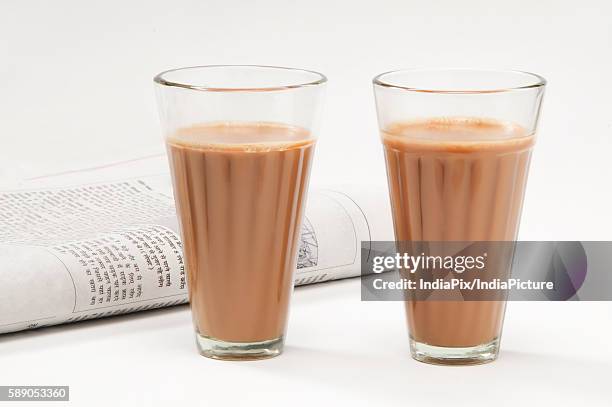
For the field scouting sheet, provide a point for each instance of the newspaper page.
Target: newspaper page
(104, 241)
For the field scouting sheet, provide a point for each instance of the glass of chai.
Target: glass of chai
(240, 142)
(457, 147)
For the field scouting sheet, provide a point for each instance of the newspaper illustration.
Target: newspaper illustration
(105, 241)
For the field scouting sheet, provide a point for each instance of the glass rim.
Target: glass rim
(537, 81)
(319, 79)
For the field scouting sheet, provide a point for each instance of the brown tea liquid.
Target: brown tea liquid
(240, 191)
(456, 179)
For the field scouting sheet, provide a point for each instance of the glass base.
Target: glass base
(440, 355)
(222, 350)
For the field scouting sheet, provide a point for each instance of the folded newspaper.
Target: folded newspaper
(104, 241)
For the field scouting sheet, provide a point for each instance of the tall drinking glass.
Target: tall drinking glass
(240, 142)
(457, 148)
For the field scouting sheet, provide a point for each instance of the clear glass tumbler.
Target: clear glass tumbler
(240, 142)
(457, 148)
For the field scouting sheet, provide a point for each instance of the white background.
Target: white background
(76, 90)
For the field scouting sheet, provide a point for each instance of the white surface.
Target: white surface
(340, 351)
(76, 90)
